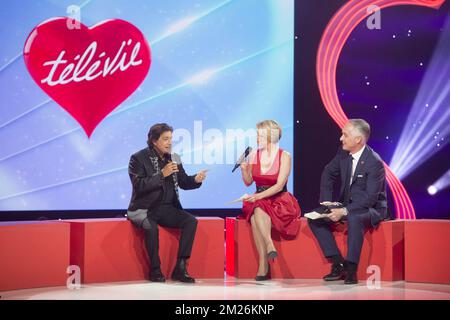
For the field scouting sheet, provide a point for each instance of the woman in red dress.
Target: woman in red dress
(272, 205)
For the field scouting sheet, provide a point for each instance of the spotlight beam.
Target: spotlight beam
(426, 148)
(443, 182)
(186, 22)
(437, 84)
(429, 113)
(410, 136)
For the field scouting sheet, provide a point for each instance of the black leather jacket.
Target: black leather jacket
(148, 185)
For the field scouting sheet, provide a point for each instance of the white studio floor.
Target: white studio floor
(237, 289)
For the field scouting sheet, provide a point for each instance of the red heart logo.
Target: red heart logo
(87, 71)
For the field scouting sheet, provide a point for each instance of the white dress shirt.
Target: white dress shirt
(355, 160)
(356, 157)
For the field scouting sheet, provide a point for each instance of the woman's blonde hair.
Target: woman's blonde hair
(273, 130)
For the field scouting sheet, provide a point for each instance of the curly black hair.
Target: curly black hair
(156, 131)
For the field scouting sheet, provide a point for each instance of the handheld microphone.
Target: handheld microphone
(175, 158)
(242, 158)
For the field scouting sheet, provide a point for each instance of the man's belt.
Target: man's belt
(264, 188)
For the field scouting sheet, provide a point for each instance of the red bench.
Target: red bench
(109, 250)
(37, 254)
(33, 254)
(427, 251)
(301, 257)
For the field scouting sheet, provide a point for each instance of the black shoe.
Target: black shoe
(337, 272)
(157, 276)
(180, 272)
(182, 276)
(265, 277)
(272, 255)
(351, 278)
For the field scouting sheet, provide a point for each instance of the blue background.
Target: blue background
(48, 163)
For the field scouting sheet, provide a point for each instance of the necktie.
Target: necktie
(352, 169)
(349, 180)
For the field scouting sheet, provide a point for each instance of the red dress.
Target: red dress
(282, 207)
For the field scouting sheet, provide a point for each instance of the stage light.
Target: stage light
(432, 190)
(440, 184)
(427, 127)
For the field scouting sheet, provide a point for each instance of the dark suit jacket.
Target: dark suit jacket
(367, 188)
(148, 185)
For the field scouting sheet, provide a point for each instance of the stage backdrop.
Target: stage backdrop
(216, 65)
(397, 78)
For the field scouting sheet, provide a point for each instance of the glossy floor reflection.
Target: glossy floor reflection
(236, 289)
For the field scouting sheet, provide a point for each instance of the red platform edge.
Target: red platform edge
(207, 260)
(33, 255)
(412, 242)
(427, 251)
(308, 261)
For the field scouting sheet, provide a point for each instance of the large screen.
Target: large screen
(218, 68)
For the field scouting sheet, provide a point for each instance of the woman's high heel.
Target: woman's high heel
(266, 276)
(272, 255)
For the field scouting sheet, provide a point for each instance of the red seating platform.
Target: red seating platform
(427, 251)
(37, 254)
(33, 254)
(109, 250)
(301, 257)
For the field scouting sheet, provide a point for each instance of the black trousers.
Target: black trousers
(166, 216)
(357, 224)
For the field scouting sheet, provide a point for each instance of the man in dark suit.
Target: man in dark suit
(154, 201)
(361, 173)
